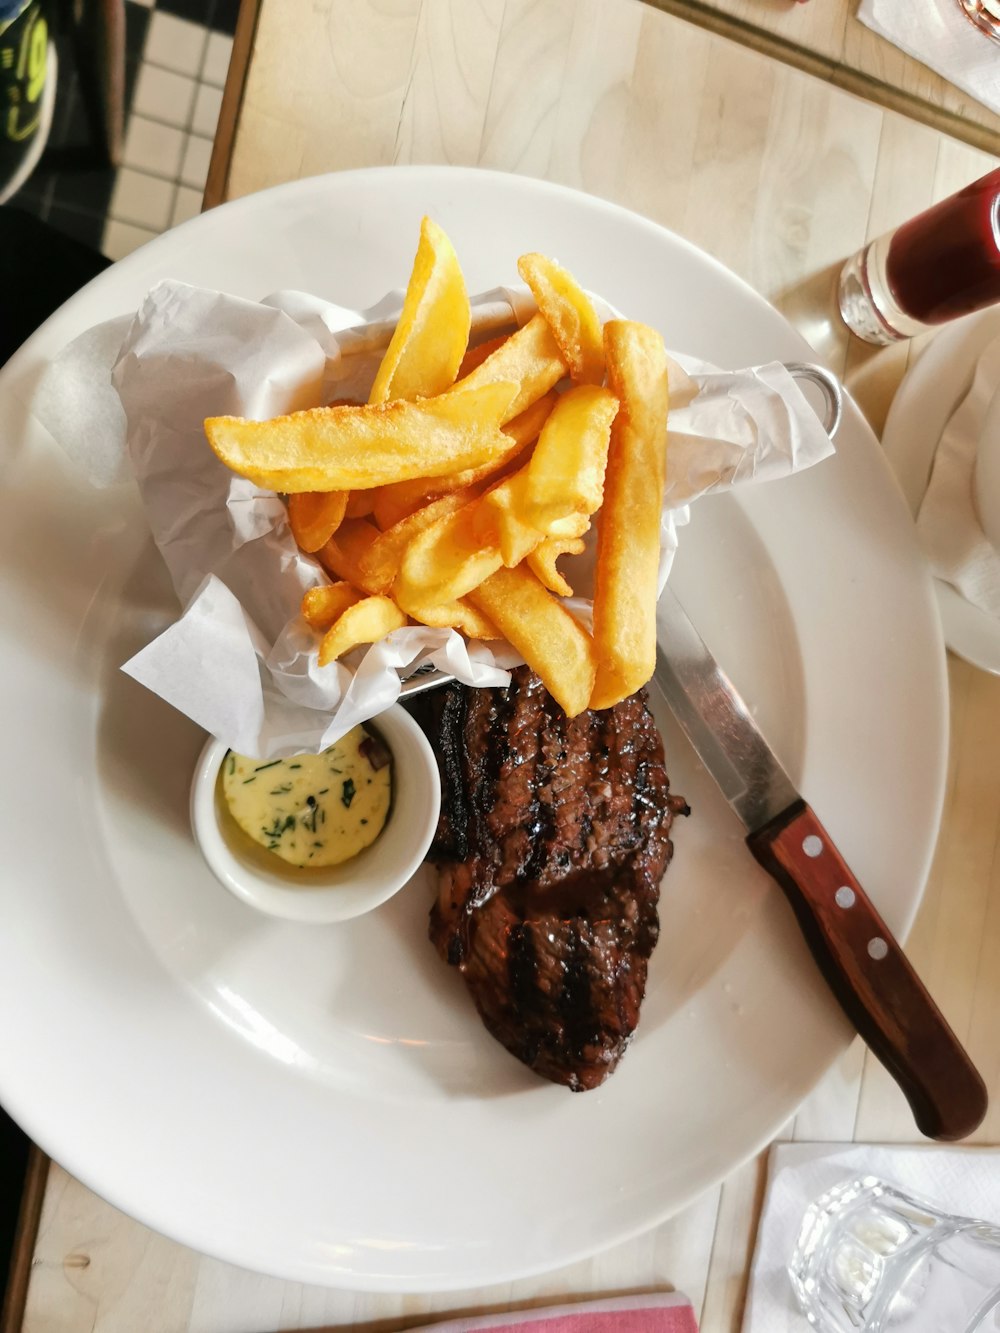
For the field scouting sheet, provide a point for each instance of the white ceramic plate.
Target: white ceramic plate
(322, 1103)
(929, 394)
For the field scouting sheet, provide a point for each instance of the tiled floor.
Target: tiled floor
(177, 57)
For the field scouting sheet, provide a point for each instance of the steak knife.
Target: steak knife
(863, 965)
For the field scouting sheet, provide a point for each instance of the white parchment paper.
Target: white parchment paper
(131, 396)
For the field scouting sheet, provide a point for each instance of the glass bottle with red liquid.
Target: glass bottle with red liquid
(939, 265)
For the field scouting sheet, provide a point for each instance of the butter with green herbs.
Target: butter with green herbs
(313, 809)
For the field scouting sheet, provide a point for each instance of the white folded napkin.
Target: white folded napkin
(962, 1181)
(939, 35)
(959, 551)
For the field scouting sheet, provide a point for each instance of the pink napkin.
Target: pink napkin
(668, 1312)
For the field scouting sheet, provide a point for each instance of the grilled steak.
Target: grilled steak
(554, 836)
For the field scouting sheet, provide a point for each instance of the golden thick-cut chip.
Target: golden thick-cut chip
(395, 502)
(566, 471)
(628, 547)
(392, 503)
(359, 504)
(342, 555)
(367, 621)
(314, 516)
(475, 356)
(460, 615)
(552, 641)
(322, 606)
(562, 483)
(433, 330)
(445, 561)
(574, 525)
(380, 562)
(501, 519)
(569, 314)
(348, 448)
(542, 560)
(530, 358)
(526, 427)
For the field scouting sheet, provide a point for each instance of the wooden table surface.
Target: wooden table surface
(780, 176)
(827, 38)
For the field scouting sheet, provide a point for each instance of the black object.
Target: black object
(40, 268)
(24, 57)
(14, 1149)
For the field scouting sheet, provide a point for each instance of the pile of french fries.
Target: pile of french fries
(449, 497)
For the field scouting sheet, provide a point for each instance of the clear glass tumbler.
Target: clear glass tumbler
(874, 1259)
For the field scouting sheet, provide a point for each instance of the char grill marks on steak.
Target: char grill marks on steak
(554, 836)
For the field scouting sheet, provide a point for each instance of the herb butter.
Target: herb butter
(313, 809)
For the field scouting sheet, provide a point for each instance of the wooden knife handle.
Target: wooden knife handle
(870, 975)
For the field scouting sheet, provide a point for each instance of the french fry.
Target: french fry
(450, 497)
(359, 504)
(569, 314)
(500, 519)
(379, 562)
(530, 358)
(367, 621)
(564, 479)
(548, 637)
(475, 356)
(348, 448)
(628, 547)
(433, 329)
(392, 503)
(574, 525)
(322, 606)
(542, 561)
(342, 555)
(314, 516)
(445, 561)
(566, 471)
(397, 501)
(526, 427)
(460, 615)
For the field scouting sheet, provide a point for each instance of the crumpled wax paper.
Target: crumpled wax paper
(240, 660)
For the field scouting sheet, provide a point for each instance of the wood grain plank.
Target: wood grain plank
(531, 63)
(732, 1247)
(572, 64)
(661, 132)
(448, 88)
(96, 1269)
(817, 178)
(830, 1112)
(325, 90)
(591, 116)
(828, 41)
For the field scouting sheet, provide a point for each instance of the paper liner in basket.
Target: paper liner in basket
(240, 660)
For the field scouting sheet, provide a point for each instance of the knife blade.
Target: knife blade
(862, 963)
